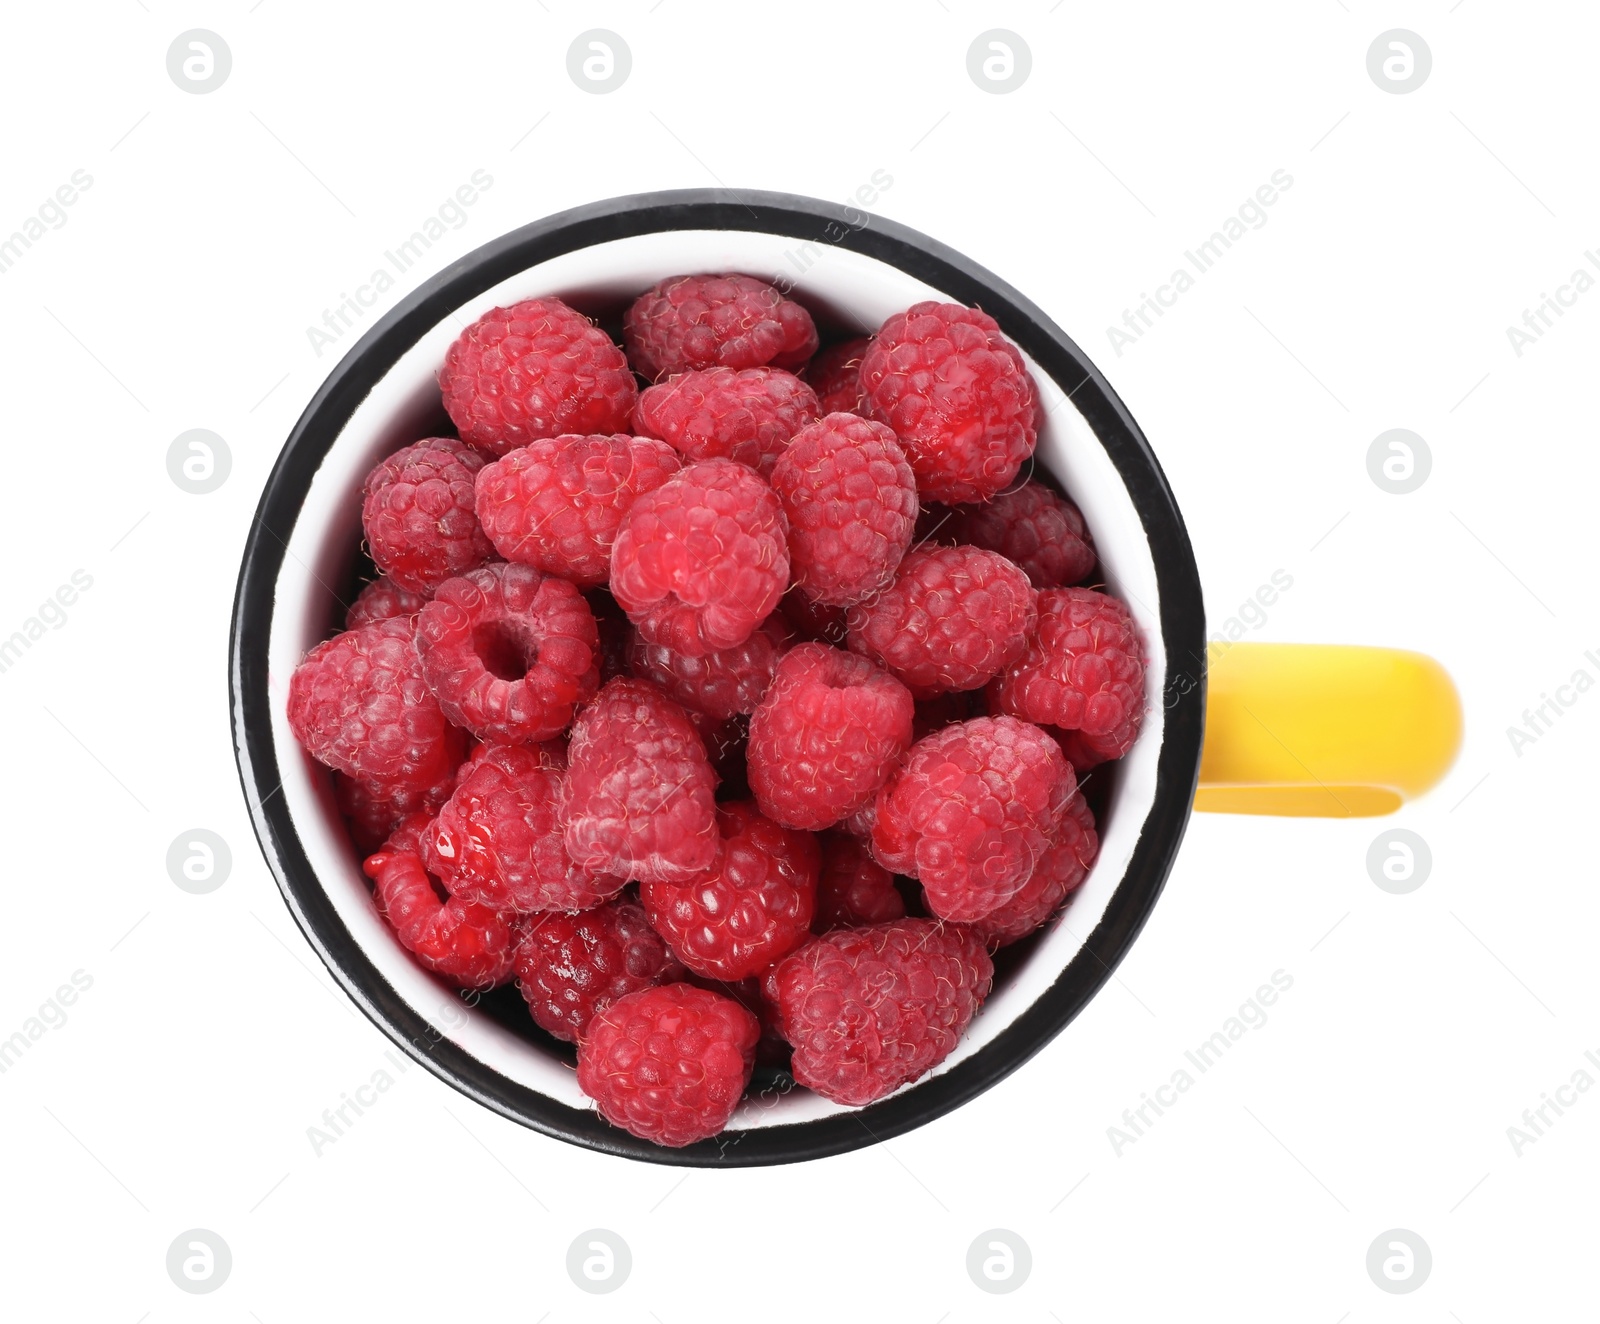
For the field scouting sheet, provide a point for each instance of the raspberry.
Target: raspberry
(771, 1048)
(1085, 751)
(851, 504)
(535, 369)
(462, 940)
(692, 322)
(509, 652)
(383, 600)
(669, 1064)
(721, 684)
(358, 703)
(702, 560)
(754, 906)
(952, 619)
(869, 1009)
(835, 375)
(571, 966)
(499, 838)
(555, 503)
(826, 736)
(853, 889)
(1040, 531)
(1061, 869)
(813, 620)
(971, 812)
(1083, 670)
(640, 794)
(744, 414)
(374, 809)
(416, 510)
(957, 394)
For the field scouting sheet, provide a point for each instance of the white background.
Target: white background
(1418, 228)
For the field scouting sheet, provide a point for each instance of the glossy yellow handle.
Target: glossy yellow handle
(1324, 730)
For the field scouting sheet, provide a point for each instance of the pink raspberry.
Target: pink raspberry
(571, 966)
(416, 510)
(957, 394)
(535, 369)
(1032, 526)
(383, 600)
(753, 906)
(1083, 670)
(509, 652)
(1059, 872)
(850, 502)
(744, 414)
(952, 619)
(669, 1064)
(358, 703)
(702, 560)
(853, 889)
(555, 503)
(374, 809)
(868, 1010)
(835, 375)
(692, 322)
(721, 684)
(826, 736)
(639, 800)
(971, 811)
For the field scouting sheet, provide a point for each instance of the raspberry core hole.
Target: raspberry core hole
(506, 651)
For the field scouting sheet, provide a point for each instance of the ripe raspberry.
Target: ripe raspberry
(869, 1009)
(851, 504)
(958, 396)
(640, 794)
(1032, 526)
(971, 812)
(383, 600)
(744, 414)
(953, 617)
(771, 1048)
(499, 838)
(1083, 670)
(462, 940)
(692, 322)
(669, 1064)
(358, 703)
(813, 620)
(702, 560)
(827, 735)
(416, 510)
(835, 375)
(535, 369)
(555, 503)
(752, 907)
(571, 966)
(1085, 751)
(853, 889)
(1060, 871)
(721, 684)
(374, 809)
(509, 652)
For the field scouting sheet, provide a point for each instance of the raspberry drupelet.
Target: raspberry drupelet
(416, 512)
(692, 322)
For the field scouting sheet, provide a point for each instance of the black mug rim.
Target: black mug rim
(807, 220)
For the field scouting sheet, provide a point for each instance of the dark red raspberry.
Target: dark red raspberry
(853, 889)
(721, 684)
(1060, 871)
(509, 652)
(416, 510)
(374, 809)
(744, 414)
(499, 838)
(640, 794)
(1032, 526)
(571, 966)
(957, 394)
(851, 504)
(702, 560)
(535, 369)
(971, 811)
(692, 322)
(358, 703)
(383, 600)
(869, 1009)
(1085, 751)
(952, 619)
(462, 940)
(942, 709)
(669, 1064)
(752, 907)
(835, 375)
(1083, 670)
(813, 620)
(826, 736)
(555, 503)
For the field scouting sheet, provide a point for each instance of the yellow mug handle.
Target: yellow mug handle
(1324, 730)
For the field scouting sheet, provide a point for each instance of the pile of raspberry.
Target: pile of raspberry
(728, 694)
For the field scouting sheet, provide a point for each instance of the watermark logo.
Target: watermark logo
(599, 61)
(1399, 461)
(1399, 1261)
(199, 461)
(199, 1260)
(199, 61)
(1399, 861)
(999, 61)
(999, 1261)
(199, 861)
(1399, 61)
(599, 1261)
